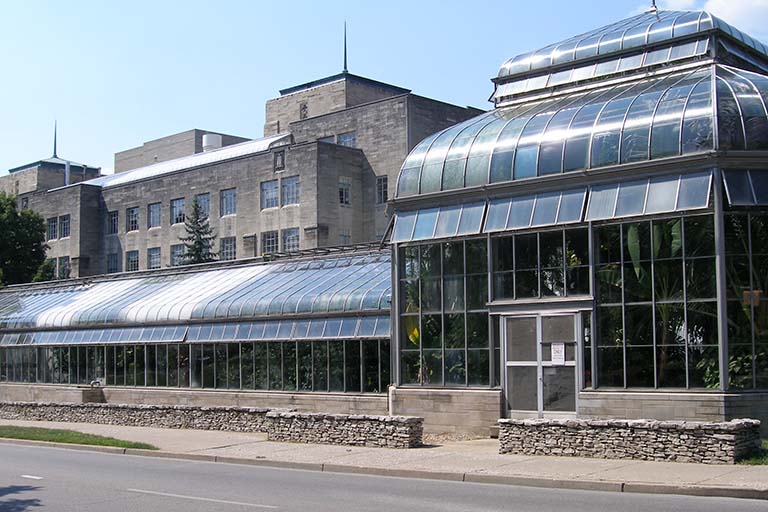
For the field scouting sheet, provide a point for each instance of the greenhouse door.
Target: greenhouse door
(541, 364)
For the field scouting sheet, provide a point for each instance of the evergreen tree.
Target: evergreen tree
(46, 271)
(22, 242)
(198, 243)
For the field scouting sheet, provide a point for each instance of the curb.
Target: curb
(480, 478)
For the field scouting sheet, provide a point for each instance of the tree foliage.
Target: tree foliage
(200, 237)
(22, 242)
(46, 271)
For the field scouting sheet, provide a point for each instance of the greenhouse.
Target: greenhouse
(316, 325)
(596, 244)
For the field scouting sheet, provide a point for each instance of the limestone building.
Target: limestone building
(321, 176)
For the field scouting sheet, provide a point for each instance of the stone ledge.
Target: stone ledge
(682, 441)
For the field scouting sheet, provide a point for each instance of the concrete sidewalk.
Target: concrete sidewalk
(470, 461)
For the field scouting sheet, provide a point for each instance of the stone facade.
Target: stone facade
(353, 131)
(676, 441)
(372, 431)
(452, 412)
(178, 145)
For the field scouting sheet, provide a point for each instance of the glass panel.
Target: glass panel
(602, 200)
(558, 328)
(522, 386)
(631, 199)
(738, 187)
(425, 224)
(367, 324)
(471, 217)
(284, 331)
(520, 212)
(348, 326)
(760, 186)
(571, 206)
(545, 211)
(448, 221)
(694, 191)
(320, 366)
(404, 223)
(662, 194)
(521, 339)
(559, 388)
(498, 211)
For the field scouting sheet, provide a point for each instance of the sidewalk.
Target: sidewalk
(470, 461)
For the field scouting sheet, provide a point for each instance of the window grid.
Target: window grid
(382, 192)
(270, 194)
(153, 258)
(52, 232)
(345, 189)
(204, 202)
(132, 219)
(64, 226)
(113, 263)
(228, 248)
(177, 211)
(289, 190)
(177, 255)
(269, 242)
(113, 222)
(154, 215)
(131, 261)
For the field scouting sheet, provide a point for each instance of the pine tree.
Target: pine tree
(198, 243)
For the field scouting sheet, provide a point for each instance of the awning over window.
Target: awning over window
(544, 209)
(650, 196)
(323, 328)
(746, 188)
(446, 221)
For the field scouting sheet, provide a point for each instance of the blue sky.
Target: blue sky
(115, 74)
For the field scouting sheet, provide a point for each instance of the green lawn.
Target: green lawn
(759, 459)
(67, 436)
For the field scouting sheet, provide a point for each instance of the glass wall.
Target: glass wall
(746, 250)
(546, 264)
(443, 312)
(354, 366)
(656, 304)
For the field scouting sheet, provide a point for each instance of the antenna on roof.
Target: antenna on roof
(654, 9)
(345, 46)
(54, 139)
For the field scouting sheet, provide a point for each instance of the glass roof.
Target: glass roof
(343, 283)
(316, 328)
(643, 120)
(644, 29)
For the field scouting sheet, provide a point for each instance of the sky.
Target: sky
(117, 74)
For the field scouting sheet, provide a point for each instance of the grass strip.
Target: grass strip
(67, 436)
(760, 458)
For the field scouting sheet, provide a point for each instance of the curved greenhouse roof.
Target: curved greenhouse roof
(635, 32)
(351, 283)
(686, 112)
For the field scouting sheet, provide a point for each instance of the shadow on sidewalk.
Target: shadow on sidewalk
(15, 504)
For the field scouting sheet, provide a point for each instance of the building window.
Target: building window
(177, 211)
(269, 242)
(63, 271)
(64, 226)
(113, 263)
(153, 257)
(303, 110)
(53, 229)
(291, 240)
(345, 188)
(177, 255)
(328, 140)
(132, 219)
(348, 139)
(382, 193)
(289, 189)
(228, 203)
(279, 160)
(24, 203)
(131, 261)
(112, 222)
(228, 249)
(154, 212)
(269, 194)
(345, 237)
(204, 202)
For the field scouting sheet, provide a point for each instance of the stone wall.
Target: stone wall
(234, 419)
(353, 430)
(678, 441)
(279, 424)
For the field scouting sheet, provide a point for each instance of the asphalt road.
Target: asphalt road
(38, 478)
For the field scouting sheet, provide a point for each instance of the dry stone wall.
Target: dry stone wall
(679, 441)
(346, 429)
(278, 424)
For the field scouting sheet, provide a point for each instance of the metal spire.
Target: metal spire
(55, 123)
(654, 9)
(345, 46)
